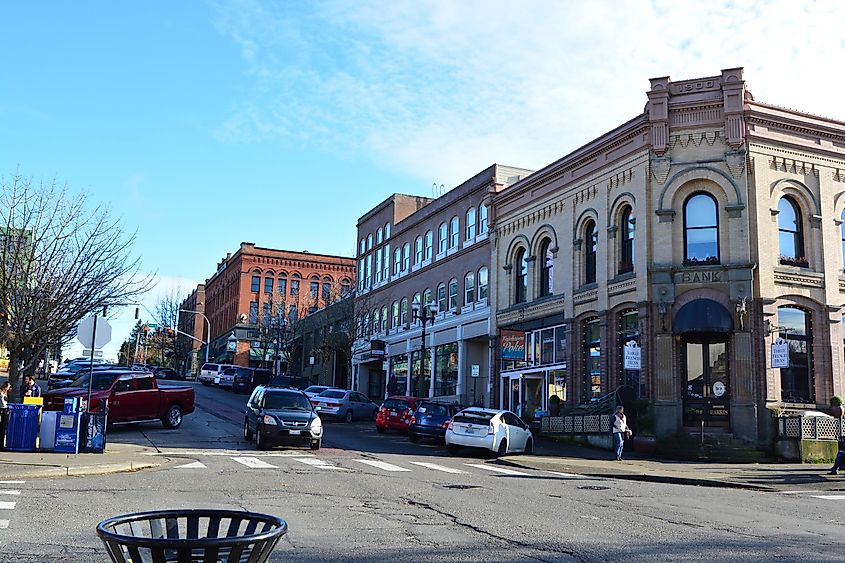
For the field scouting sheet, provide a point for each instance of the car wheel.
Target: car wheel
(348, 416)
(173, 418)
(529, 447)
(453, 449)
(381, 429)
(413, 438)
(503, 447)
(260, 443)
(316, 445)
(247, 431)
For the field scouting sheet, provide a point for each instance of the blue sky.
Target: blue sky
(204, 124)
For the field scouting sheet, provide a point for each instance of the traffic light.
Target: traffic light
(145, 329)
(169, 332)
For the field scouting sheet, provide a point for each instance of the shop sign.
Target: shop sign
(780, 353)
(476, 370)
(631, 356)
(512, 344)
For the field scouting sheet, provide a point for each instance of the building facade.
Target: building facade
(427, 258)
(193, 330)
(693, 255)
(256, 289)
(323, 345)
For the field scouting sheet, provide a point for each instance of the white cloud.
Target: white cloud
(441, 89)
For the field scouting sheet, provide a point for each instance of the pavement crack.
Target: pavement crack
(510, 541)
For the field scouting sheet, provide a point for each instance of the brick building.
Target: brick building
(256, 286)
(194, 325)
(430, 255)
(706, 230)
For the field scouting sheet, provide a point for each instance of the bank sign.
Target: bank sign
(512, 344)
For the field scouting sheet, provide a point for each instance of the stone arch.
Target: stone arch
(625, 198)
(718, 177)
(838, 205)
(543, 232)
(701, 293)
(578, 226)
(800, 191)
(519, 240)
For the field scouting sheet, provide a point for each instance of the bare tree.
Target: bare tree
(61, 259)
(177, 350)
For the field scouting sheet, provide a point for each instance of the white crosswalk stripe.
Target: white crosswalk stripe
(497, 469)
(192, 465)
(7, 505)
(10, 492)
(565, 475)
(383, 465)
(436, 467)
(829, 497)
(319, 463)
(12, 482)
(4, 524)
(254, 463)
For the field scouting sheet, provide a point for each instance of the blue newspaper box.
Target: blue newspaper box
(22, 429)
(72, 405)
(68, 428)
(94, 433)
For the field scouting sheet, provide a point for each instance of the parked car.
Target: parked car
(344, 405)
(247, 379)
(499, 431)
(132, 397)
(291, 382)
(430, 420)
(395, 413)
(166, 373)
(64, 378)
(277, 416)
(315, 390)
(210, 373)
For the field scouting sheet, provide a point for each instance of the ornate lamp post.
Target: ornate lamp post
(425, 314)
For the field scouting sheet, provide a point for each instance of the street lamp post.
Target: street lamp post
(208, 324)
(425, 314)
(280, 329)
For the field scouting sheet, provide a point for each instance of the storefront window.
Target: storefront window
(399, 373)
(629, 330)
(560, 345)
(547, 346)
(592, 359)
(796, 381)
(557, 388)
(421, 375)
(446, 369)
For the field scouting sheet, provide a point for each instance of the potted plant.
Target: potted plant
(836, 406)
(644, 441)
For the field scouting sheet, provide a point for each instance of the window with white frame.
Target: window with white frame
(397, 260)
(406, 256)
(418, 250)
(482, 219)
(441, 297)
(386, 231)
(453, 293)
(384, 318)
(470, 226)
(394, 309)
(378, 265)
(403, 311)
(429, 241)
(482, 283)
(443, 238)
(469, 288)
(454, 233)
(378, 236)
(386, 266)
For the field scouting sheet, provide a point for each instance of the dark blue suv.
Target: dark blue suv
(431, 419)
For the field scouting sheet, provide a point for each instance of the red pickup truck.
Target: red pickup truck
(131, 396)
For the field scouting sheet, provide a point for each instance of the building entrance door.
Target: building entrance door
(707, 393)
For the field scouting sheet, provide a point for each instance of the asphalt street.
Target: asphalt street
(369, 497)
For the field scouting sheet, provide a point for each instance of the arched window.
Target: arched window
(397, 261)
(441, 297)
(429, 240)
(790, 233)
(314, 287)
(442, 238)
(453, 232)
(369, 242)
(482, 283)
(384, 318)
(797, 383)
(470, 223)
(294, 285)
(626, 241)
(418, 250)
(520, 266)
(403, 311)
(546, 268)
(386, 231)
(427, 297)
(376, 320)
(469, 288)
(378, 236)
(453, 293)
(327, 289)
(345, 287)
(406, 256)
(394, 309)
(255, 286)
(482, 219)
(701, 230)
(591, 239)
(283, 284)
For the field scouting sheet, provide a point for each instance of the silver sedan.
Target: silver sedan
(344, 405)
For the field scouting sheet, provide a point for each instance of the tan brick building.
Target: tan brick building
(194, 325)
(703, 229)
(255, 285)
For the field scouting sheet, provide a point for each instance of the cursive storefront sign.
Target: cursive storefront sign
(512, 344)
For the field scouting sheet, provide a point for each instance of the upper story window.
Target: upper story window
(442, 238)
(255, 286)
(369, 242)
(363, 248)
(394, 309)
(384, 318)
(470, 224)
(453, 293)
(482, 219)
(427, 297)
(790, 233)
(314, 287)
(268, 285)
(546, 268)
(397, 260)
(362, 271)
(701, 230)
(293, 312)
(253, 312)
(377, 272)
(327, 288)
(520, 265)
(454, 225)
(345, 287)
(406, 256)
(368, 270)
(294, 284)
(418, 250)
(386, 266)
(403, 311)
(429, 241)
(283, 285)
(469, 288)
(482, 283)
(591, 239)
(376, 320)
(386, 231)
(626, 241)
(441, 297)
(378, 236)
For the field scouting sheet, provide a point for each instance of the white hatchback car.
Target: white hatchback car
(500, 432)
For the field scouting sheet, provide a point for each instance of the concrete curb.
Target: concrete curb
(82, 470)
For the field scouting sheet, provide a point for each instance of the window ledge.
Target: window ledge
(586, 287)
(623, 277)
(451, 251)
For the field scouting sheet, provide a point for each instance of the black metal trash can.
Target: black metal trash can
(188, 536)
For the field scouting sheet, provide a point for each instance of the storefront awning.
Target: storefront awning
(703, 315)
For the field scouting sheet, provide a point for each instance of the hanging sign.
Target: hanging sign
(780, 353)
(513, 344)
(631, 356)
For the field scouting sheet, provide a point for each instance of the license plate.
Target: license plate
(323, 405)
(294, 432)
(216, 380)
(470, 430)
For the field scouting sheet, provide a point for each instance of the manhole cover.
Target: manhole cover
(593, 488)
(461, 487)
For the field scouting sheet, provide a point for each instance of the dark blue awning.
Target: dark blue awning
(703, 315)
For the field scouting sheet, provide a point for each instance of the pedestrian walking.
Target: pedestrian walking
(5, 388)
(839, 462)
(620, 431)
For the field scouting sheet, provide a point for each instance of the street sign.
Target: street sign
(476, 370)
(85, 332)
(97, 353)
(780, 353)
(152, 326)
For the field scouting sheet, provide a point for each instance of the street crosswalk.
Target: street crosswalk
(8, 489)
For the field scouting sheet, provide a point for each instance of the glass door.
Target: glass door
(532, 396)
(707, 393)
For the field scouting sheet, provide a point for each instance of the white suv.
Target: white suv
(210, 373)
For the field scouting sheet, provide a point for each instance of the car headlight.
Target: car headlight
(316, 423)
(269, 420)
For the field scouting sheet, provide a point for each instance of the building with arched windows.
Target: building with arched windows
(669, 255)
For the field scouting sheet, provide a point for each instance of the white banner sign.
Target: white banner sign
(780, 353)
(631, 356)
(476, 370)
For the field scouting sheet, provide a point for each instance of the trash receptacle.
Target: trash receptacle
(23, 427)
(187, 536)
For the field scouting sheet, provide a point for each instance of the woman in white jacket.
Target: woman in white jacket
(620, 430)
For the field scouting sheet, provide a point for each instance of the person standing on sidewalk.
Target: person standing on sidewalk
(4, 411)
(30, 388)
(840, 458)
(620, 431)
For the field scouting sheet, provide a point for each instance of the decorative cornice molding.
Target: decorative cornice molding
(806, 280)
(793, 166)
(621, 287)
(585, 296)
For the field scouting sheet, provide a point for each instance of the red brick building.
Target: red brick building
(256, 284)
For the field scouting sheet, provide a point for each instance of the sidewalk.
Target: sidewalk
(569, 458)
(117, 458)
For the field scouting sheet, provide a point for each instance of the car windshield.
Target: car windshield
(396, 404)
(286, 401)
(230, 371)
(316, 389)
(332, 394)
(474, 417)
(433, 409)
(101, 380)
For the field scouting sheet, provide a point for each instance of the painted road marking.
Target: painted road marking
(566, 475)
(7, 505)
(383, 465)
(10, 492)
(12, 482)
(254, 463)
(794, 492)
(226, 453)
(437, 467)
(829, 497)
(192, 465)
(4, 524)
(319, 463)
(496, 469)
